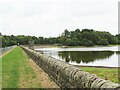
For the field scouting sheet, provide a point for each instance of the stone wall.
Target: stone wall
(66, 75)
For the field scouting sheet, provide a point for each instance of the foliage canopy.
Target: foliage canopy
(85, 37)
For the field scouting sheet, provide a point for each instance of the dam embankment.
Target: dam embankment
(66, 75)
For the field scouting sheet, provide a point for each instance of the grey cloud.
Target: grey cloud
(51, 17)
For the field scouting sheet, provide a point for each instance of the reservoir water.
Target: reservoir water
(87, 56)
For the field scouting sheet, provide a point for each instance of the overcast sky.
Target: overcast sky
(51, 17)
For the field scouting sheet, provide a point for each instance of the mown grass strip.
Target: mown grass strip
(28, 77)
(16, 73)
(10, 68)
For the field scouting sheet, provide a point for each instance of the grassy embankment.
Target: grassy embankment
(16, 73)
(111, 74)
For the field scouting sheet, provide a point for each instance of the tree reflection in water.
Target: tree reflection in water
(84, 56)
(117, 52)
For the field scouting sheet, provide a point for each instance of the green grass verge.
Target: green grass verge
(10, 65)
(0, 73)
(105, 73)
(16, 71)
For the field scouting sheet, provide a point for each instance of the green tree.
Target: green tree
(103, 42)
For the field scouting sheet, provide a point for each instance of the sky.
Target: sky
(49, 18)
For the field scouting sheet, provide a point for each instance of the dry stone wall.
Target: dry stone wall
(66, 75)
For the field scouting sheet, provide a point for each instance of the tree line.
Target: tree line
(84, 37)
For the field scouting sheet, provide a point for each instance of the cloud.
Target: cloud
(52, 17)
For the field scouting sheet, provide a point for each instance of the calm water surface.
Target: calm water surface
(91, 56)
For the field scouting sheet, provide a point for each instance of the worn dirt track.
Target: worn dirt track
(43, 77)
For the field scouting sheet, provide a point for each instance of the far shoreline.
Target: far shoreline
(36, 46)
(95, 66)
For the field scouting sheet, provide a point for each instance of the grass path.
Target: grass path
(1, 67)
(27, 77)
(18, 71)
(10, 65)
